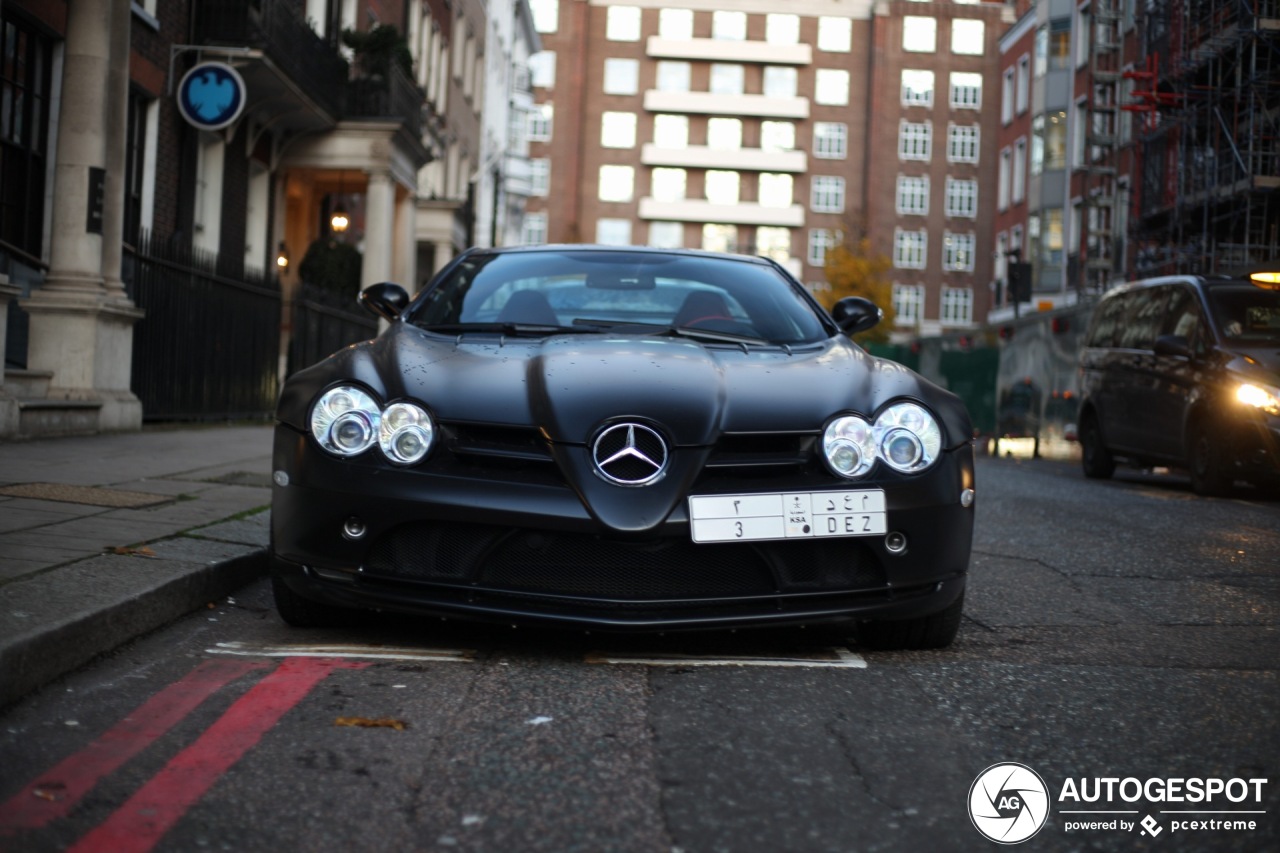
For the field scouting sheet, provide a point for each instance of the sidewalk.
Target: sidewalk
(104, 538)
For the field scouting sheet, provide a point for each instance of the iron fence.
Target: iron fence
(209, 345)
(324, 322)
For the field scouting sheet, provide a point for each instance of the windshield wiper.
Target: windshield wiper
(513, 329)
(662, 329)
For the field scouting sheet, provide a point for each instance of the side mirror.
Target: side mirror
(855, 314)
(1173, 345)
(387, 300)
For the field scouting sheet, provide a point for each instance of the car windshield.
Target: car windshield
(1246, 313)
(582, 291)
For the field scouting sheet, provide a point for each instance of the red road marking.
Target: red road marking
(141, 822)
(64, 785)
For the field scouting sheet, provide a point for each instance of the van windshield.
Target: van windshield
(1246, 313)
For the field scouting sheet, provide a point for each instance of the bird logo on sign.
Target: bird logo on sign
(211, 95)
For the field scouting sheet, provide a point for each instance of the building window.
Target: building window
(831, 87)
(546, 15)
(835, 35)
(729, 26)
(672, 76)
(24, 126)
(675, 24)
(666, 235)
(1007, 97)
(966, 36)
(542, 69)
(618, 130)
(913, 195)
(670, 131)
(539, 175)
(667, 184)
(962, 143)
(1019, 170)
(782, 29)
(136, 156)
(617, 183)
(540, 119)
(726, 79)
(919, 34)
(830, 140)
(724, 134)
(534, 229)
(777, 136)
(613, 232)
(827, 194)
(917, 88)
(719, 238)
(1022, 95)
(1003, 178)
(962, 198)
(957, 252)
(915, 140)
(908, 304)
(722, 186)
(1037, 145)
(966, 90)
(774, 243)
(779, 81)
(623, 23)
(910, 248)
(621, 76)
(775, 190)
(1055, 139)
(820, 241)
(957, 306)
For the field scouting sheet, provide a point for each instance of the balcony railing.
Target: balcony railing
(394, 97)
(277, 29)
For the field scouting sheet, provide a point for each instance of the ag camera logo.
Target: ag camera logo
(1008, 803)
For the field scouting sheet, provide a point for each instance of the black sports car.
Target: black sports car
(622, 438)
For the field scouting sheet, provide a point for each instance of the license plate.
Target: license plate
(787, 515)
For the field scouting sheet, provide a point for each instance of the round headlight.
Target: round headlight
(345, 420)
(848, 445)
(406, 433)
(910, 438)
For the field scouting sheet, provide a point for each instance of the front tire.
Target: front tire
(935, 631)
(1095, 459)
(1207, 463)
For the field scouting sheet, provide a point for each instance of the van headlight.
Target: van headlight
(905, 436)
(1259, 396)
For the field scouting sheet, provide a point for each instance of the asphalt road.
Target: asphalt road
(1119, 630)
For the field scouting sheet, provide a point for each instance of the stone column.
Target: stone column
(404, 270)
(379, 229)
(80, 328)
(444, 254)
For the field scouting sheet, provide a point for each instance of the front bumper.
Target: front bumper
(524, 549)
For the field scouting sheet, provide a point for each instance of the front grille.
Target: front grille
(547, 563)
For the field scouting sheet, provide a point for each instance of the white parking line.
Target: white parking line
(338, 650)
(839, 658)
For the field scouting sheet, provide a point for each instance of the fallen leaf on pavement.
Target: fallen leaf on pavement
(367, 723)
(126, 551)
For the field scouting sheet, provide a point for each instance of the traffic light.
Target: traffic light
(1019, 282)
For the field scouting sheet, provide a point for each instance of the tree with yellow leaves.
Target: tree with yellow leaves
(858, 270)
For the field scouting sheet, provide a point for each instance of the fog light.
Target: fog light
(354, 528)
(280, 478)
(966, 498)
(895, 542)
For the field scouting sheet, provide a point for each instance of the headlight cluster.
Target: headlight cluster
(1260, 396)
(905, 437)
(348, 421)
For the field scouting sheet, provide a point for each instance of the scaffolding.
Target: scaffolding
(1208, 174)
(1103, 245)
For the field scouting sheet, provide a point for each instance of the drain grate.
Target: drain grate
(89, 495)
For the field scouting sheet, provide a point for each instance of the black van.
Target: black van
(1184, 371)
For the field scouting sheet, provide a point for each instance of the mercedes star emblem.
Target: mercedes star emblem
(630, 455)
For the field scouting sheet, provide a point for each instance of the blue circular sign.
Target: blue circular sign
(211, 95)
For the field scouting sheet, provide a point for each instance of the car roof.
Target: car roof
(593, 247)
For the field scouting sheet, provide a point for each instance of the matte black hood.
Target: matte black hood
(568, 385)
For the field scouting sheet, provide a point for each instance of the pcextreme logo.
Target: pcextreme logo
(1009, 803)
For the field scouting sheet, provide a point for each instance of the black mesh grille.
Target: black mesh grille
(549, 563)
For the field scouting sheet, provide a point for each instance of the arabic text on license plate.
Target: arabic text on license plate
(787, 515)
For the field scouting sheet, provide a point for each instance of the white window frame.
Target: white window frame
(617, 183)
(835, 35)
(908, 304)
(831, 87)
(827, 194)
(910, 248)
(915, 140)
(963, 143)
(961, 198)
(539, 176)
(919, 34)
(533, 229)
(958, 251)
(621, 76)
(622, 23)
(966, 90)
(821, 240)
(621, 226)
(968, 36)
(729, 25)
(622, 133)
(917, 95)
(830, 140)
(956, 306)
(675, 24)
(912, 196)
